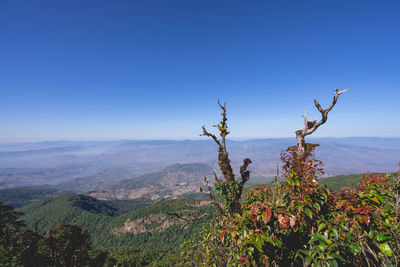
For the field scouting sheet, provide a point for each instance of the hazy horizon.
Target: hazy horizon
(186, 139)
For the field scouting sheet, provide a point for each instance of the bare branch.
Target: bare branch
(305, 121)
(216, 178)
(312, 126)
(223, 127)
(224, 118)
(211, 196)
(223, 107)
(324, 112)
(243, 170)
(205, 133)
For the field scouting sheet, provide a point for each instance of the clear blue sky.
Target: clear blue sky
(155, 69)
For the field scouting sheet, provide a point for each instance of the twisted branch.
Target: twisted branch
(312, 126)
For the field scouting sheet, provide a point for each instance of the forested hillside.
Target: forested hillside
(112, 224)
(128, 229)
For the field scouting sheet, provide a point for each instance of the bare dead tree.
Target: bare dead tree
(303, 149)
(223, 158)
(234, 187)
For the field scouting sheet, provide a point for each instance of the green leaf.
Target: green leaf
(371, 234)
(259, 243)
(375, 200)
(316, 206)
(372, 193)
(335, 233)
(337, 256)
(386, 249)
(381, 237)
(333, 263)
(309, 213)
(307, 261)
(321, 226)
(381, 199)
(269, 239)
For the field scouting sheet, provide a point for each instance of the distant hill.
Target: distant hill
(342, 181)
(144, 226)
(171, 182)
(95, 180)
(337, 182)
(21, 196)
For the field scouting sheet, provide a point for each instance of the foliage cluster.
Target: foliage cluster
(301, 222)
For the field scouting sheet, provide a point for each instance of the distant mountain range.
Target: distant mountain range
(90, 166)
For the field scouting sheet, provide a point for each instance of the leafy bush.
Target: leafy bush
(300, 222)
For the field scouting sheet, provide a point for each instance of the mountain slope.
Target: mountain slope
(150, 226)
(171, 182)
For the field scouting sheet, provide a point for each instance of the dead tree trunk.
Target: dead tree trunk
(233, 187)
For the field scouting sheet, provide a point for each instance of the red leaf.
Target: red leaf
(285, 223)
(292, 222)
(365, 219)
(242, 259)
(267, 215)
